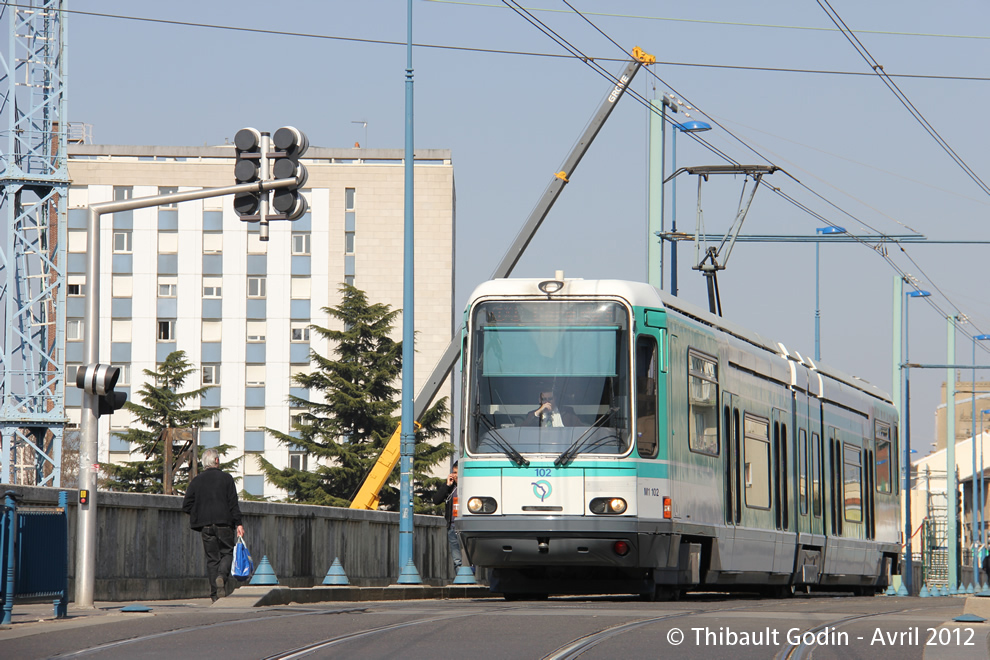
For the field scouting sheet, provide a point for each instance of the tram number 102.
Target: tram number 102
(651, 492)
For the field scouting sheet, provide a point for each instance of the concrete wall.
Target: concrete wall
(146, 551)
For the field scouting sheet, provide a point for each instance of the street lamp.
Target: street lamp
(918, 293)
(821, 231)
(685, 127)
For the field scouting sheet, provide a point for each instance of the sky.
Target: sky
(777, 80)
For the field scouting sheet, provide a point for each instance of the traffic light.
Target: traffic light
(100, 379)
(247, 169)
(290, 144)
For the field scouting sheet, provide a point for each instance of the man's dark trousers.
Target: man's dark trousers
(218, 541)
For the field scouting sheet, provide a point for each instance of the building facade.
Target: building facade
(193, 277)
(966, 424)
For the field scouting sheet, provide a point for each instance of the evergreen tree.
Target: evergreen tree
(350, 428)
(163, 418)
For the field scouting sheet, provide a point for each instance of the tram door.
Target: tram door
(732, 476)
(815, 464)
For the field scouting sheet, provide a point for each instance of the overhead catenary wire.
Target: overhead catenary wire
(903, 274)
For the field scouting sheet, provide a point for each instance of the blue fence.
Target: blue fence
(34, 554)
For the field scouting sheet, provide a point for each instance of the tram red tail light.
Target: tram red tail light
(621, 548)
(668, 509)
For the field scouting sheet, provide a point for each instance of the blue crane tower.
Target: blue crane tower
(33, 188)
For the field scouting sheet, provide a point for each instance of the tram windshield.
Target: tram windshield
(549, 377)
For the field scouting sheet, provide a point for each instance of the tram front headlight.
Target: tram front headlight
(482, 505)
(608, 505)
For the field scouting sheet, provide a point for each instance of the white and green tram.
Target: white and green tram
(696, 455)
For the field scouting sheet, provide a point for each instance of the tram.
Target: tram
(615, 439)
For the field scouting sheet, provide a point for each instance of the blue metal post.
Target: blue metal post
(10, 533)
(977, 492)
(951, 473)
(908, 559)
(408, 572)
(673, 214)
(818, 314)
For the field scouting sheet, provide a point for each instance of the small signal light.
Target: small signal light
(667, 508)
(621, 548)
(83, 497)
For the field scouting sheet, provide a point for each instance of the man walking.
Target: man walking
(211, 502)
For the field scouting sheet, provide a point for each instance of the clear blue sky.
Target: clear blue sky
(510, 119)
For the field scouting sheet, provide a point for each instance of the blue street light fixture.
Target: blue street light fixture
(685, 127)
(822, 231)
(907, 445)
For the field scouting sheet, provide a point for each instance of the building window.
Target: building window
(125, 374)
(296, 418)
(254, 418)
(74, 330)
(300, 243)
(211, 374)
(166, 330)
(211, 331)
(297, 370)
(77, 240)
(348, 242)
(212, 243)
(254, 375)
(120, 330)
(214, 422)
(349, 280)
(70, 373)
(300, 288)
(255, 245)
(122, 242)
(256, 331)
(212, 287)
(168, 190)
(349, 194)
(168, 242)
(76, 285)
(299, 331)
(167, 286)
(256, 287)
(121, 193)
(298, 461)
(122, 286)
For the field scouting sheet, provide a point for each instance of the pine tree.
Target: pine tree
(350, 428)
(163, 416)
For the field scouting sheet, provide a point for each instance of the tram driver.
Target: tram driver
(549, 415)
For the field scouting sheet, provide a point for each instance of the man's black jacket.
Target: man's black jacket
(212, 500)
(446, 494)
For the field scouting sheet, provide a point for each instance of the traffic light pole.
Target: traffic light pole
(88, 453)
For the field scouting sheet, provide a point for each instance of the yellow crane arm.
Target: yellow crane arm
(367, 496)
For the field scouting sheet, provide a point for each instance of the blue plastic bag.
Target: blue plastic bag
(242, 566)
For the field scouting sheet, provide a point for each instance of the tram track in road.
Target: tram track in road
(803, 650)
(206, 626)
(578, 646)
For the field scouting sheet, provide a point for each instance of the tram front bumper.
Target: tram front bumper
(517, 541)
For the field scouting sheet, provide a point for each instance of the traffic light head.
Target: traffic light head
(247, 169)
(290, 144)
(99, 380)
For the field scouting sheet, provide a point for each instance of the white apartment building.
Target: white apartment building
(194, 277)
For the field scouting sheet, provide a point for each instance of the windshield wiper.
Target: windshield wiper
(579, 444)
(501, 443)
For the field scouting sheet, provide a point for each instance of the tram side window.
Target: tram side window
(852, 492)
(816, 475)
(702, 404)
(803, 471)
(646, 396)
(757, 462)
(884, 458)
